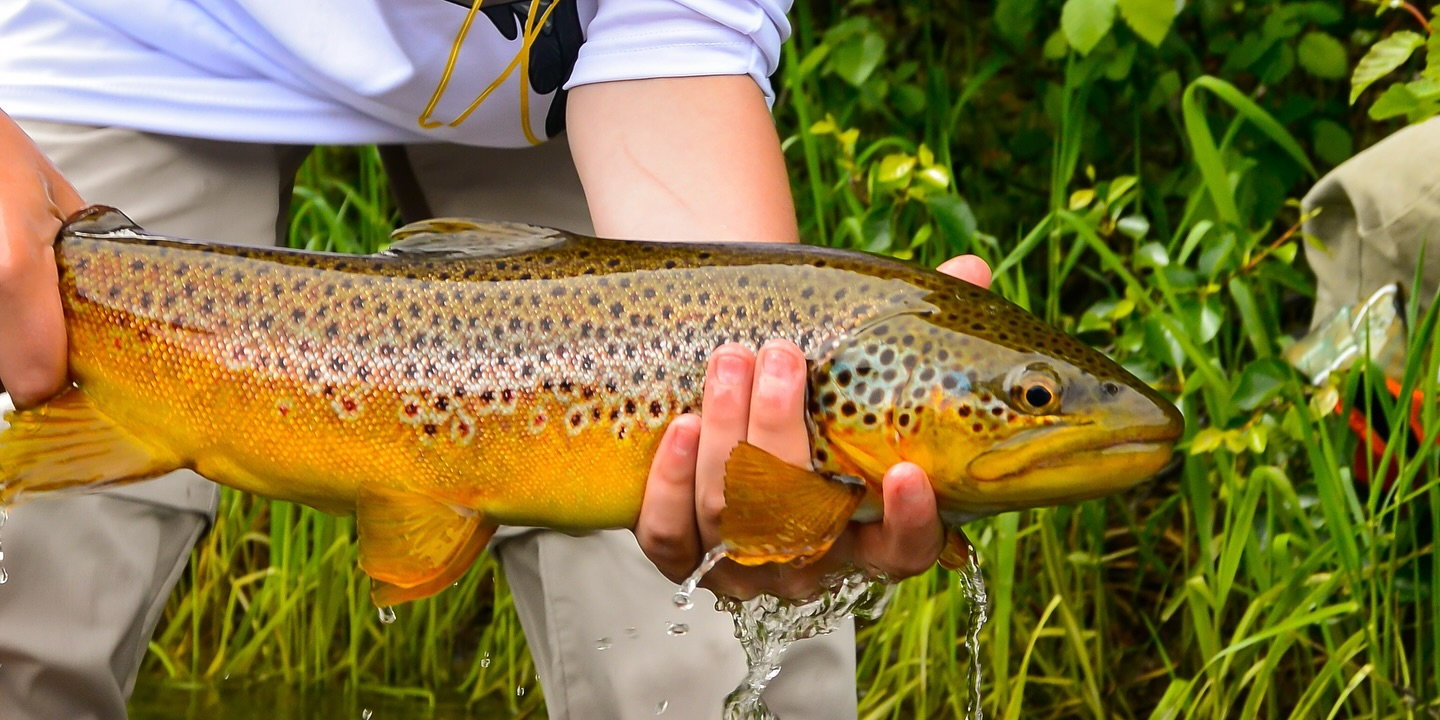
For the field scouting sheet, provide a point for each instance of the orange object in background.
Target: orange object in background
(1373, 439)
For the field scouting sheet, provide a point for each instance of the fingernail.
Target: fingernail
(912, 487)
(684, 439)
(777, 365)
(729, 370)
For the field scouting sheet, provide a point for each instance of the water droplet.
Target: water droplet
(4, 515)
(519, 692)
(632, 633)
(676, 629)
(387, 615)
(602, 644)
(4, 576)
(662, 707)
(485, 662)
(366, 714)
(683, 594)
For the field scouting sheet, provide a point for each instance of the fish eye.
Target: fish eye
(1035, 391)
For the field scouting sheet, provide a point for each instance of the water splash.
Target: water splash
(685, 593)
(972, 585)
(676, 629)
(366, 714)
(520, 692)
(767, 626)
(387, 615)
(602, 644)
(485, 661)
(662, 707)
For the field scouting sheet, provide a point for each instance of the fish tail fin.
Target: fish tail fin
(413, 546)
(776, 512)
(70, 444)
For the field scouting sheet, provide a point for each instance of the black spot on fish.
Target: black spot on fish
(848, 409)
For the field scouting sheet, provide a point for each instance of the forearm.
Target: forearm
(692, 158)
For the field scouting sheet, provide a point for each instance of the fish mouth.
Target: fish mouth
(1063, 464)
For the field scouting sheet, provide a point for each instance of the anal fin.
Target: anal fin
(413, 546)
(70, 444)
(776, 512)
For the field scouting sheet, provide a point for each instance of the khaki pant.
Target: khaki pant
(1377, 212)
(89, 575)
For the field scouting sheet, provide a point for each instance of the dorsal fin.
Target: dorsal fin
(471, 238)
(101, 220)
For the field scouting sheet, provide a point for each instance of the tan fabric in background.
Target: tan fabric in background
(90, 574)
(1376, 213)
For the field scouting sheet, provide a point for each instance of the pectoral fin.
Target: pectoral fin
(68, 443)
(413, 546)
(956, 553)
(776, 512)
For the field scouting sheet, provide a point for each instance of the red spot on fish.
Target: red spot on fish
(349, 404)
(117, 343)
(411, 409)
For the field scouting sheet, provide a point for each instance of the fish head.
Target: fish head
(1002, 411)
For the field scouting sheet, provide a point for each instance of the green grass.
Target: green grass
(1153, 216)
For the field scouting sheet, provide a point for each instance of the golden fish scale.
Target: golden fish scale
(533, 387)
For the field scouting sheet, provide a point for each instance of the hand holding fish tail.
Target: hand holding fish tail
(759, 400)
(34, 200)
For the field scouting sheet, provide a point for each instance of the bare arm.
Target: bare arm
(34, 200)
(699, 159)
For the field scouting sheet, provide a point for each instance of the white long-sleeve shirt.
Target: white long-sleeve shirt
(354, 71)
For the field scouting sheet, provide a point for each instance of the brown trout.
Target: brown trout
(479, 374)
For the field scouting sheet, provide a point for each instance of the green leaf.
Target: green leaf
(1152, 255)
(1332, 141)
(1383, 58)
(1261, 382)
(856, 59)
(896, 168)
(1134, 227)
(1396, 100)
(1322, 55)
(1087, 22)
(1015, 19)
(1056, 46)
(955, 219)
(1150, 19)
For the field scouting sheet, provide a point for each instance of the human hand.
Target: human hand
(34, 201)
(680, 514)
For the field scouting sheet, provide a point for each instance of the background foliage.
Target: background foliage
(1130, 170)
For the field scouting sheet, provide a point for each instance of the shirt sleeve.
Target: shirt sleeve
(639, 39)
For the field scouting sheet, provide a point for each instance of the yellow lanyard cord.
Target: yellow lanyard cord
(531, 32)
